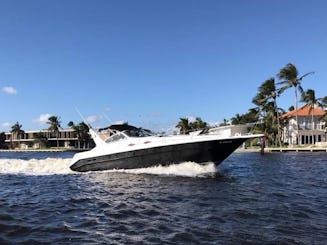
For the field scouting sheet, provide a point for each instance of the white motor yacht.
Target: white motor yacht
(122, 146)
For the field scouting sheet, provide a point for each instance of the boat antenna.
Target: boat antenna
(83, 118)
(107, 118)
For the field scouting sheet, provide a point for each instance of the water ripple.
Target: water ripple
(252, 199)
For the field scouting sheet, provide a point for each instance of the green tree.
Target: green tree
(237, 119)
(270, 124)
(16, 130)
(324, 118)
(77, 133)
(42, 139)
(183, 125)
(85, 135)
(54, 123)
(2, 140)
(291, 108)
(290, 78)
(266, 100)
(224, 123)
(198, 124)
(81, 132)
(309, 97)
(250, 117)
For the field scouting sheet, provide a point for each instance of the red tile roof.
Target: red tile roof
(305, 111)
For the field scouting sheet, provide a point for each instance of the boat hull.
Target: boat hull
(200, 152)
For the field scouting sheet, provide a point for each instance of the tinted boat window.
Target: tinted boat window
(138, 133)
(115, 137)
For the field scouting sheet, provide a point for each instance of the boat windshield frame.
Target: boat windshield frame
(138, 133)
(129, 133)
(116, 137)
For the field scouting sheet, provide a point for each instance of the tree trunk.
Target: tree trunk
(278, 125)
(296, 117)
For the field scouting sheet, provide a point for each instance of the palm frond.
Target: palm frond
(289, 72)
(282, 89)
(324, 100)
(309, 73)
(284, 82)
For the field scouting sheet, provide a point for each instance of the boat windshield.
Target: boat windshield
(139, 132)
(116, 137)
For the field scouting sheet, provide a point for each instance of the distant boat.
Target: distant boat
(122, 146)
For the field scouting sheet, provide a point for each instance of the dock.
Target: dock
(297, 149)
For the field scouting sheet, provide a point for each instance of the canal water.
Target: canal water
(276, 198)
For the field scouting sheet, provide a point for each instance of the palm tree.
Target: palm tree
(54, 123)
(237, 119)
(250, 117)
(198, 124)
(289, 76)
(76, 132)
(267, 92)
(2, 140)
(81, 131)
(324, 118)
(42, 139)
(85, 135)
(309, 97)
(16, 129)
(183, 126)
(224, 123)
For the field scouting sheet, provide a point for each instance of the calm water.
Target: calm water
(248, 199)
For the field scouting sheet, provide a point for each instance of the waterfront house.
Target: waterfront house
(312, 127)
(31, 139)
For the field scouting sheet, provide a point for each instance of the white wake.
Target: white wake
(187, 169)
(50, 166)
(46, 166)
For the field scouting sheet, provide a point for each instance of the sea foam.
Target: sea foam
(187, 169)
(50, 166)
(46, 166)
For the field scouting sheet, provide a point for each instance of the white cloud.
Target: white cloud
(9, 90)
(5, 125)
(92, 119)
(42, 119)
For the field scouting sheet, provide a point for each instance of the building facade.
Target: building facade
(66, 138)
(311, 129)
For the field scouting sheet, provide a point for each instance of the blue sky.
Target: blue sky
(152, 62)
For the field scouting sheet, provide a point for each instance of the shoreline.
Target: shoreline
(284, 149)
(238, 150)
(43, 150)
(297, 149)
